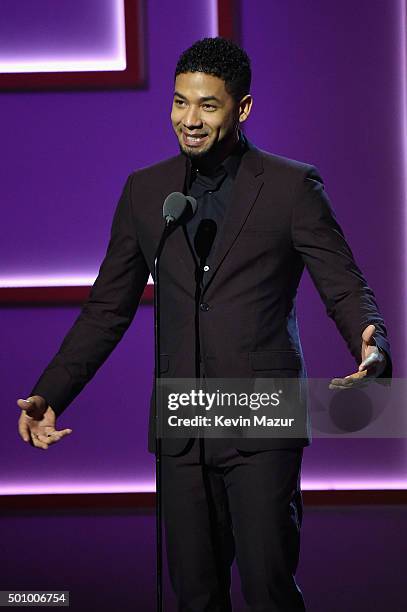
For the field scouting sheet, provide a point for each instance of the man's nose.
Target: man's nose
(192, 118)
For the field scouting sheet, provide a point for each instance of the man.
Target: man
(221, 497)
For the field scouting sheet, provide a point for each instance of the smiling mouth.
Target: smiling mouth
(193, 140)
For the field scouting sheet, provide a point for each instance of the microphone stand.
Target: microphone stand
(157, 370)
(177, 207)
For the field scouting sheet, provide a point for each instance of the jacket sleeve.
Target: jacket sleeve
(104, 317)
(348, 299)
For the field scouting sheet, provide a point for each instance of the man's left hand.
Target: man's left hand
(372, 365)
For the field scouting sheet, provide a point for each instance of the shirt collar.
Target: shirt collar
(230, 164)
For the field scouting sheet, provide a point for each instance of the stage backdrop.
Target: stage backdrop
(329, 88)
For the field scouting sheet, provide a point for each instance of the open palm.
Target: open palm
(37, 421)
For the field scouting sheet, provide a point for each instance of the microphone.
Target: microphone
(178, 207)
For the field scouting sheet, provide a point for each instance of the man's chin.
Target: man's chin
(193, 153)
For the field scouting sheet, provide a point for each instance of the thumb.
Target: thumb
(26, 404)
(367, 334)
(34, 406)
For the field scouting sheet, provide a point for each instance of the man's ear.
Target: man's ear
(245, 106)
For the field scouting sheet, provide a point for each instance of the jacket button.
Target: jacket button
(204, 307)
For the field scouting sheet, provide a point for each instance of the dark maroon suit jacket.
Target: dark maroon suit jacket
(279, 220)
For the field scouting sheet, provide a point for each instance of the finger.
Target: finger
(338, 385)
(25, 404)
(351, 381)
(347, 381)
(37, 441)
(360, 374)
(370, 360)
(368, 333)
(55, 436)
(32, 408)
(355, 382)
(23, 430)
(368, 349)
(65, 432)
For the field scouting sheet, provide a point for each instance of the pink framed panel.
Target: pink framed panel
(131, 76)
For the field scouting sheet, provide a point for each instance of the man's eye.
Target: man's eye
(179, 102)
(209, 107)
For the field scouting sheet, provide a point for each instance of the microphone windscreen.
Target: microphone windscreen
(174, 205)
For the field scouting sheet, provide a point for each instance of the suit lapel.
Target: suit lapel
(246, 188)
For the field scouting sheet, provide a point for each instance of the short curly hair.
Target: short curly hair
(222, 58)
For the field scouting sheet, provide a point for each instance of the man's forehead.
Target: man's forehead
(200, 84)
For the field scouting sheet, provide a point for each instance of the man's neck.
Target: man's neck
(207, 165)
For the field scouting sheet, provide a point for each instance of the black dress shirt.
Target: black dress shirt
(212, 193)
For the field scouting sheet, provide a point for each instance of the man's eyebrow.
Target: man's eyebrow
(202, 99)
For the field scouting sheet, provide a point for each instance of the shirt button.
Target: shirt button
(206, 268)
(204, 307)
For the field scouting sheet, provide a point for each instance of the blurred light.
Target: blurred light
(78, 63)
(148, 486)
(51, 281)
(213, 18)
(403, 102)
(75, 487)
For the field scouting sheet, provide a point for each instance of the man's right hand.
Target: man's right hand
(36, 424)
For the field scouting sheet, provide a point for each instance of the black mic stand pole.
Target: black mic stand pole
(157, 375)
(176, 207)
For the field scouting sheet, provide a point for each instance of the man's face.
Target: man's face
(204, 115)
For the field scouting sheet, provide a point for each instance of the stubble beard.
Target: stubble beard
(205, 156)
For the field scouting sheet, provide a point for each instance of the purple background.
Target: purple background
(328, 85)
